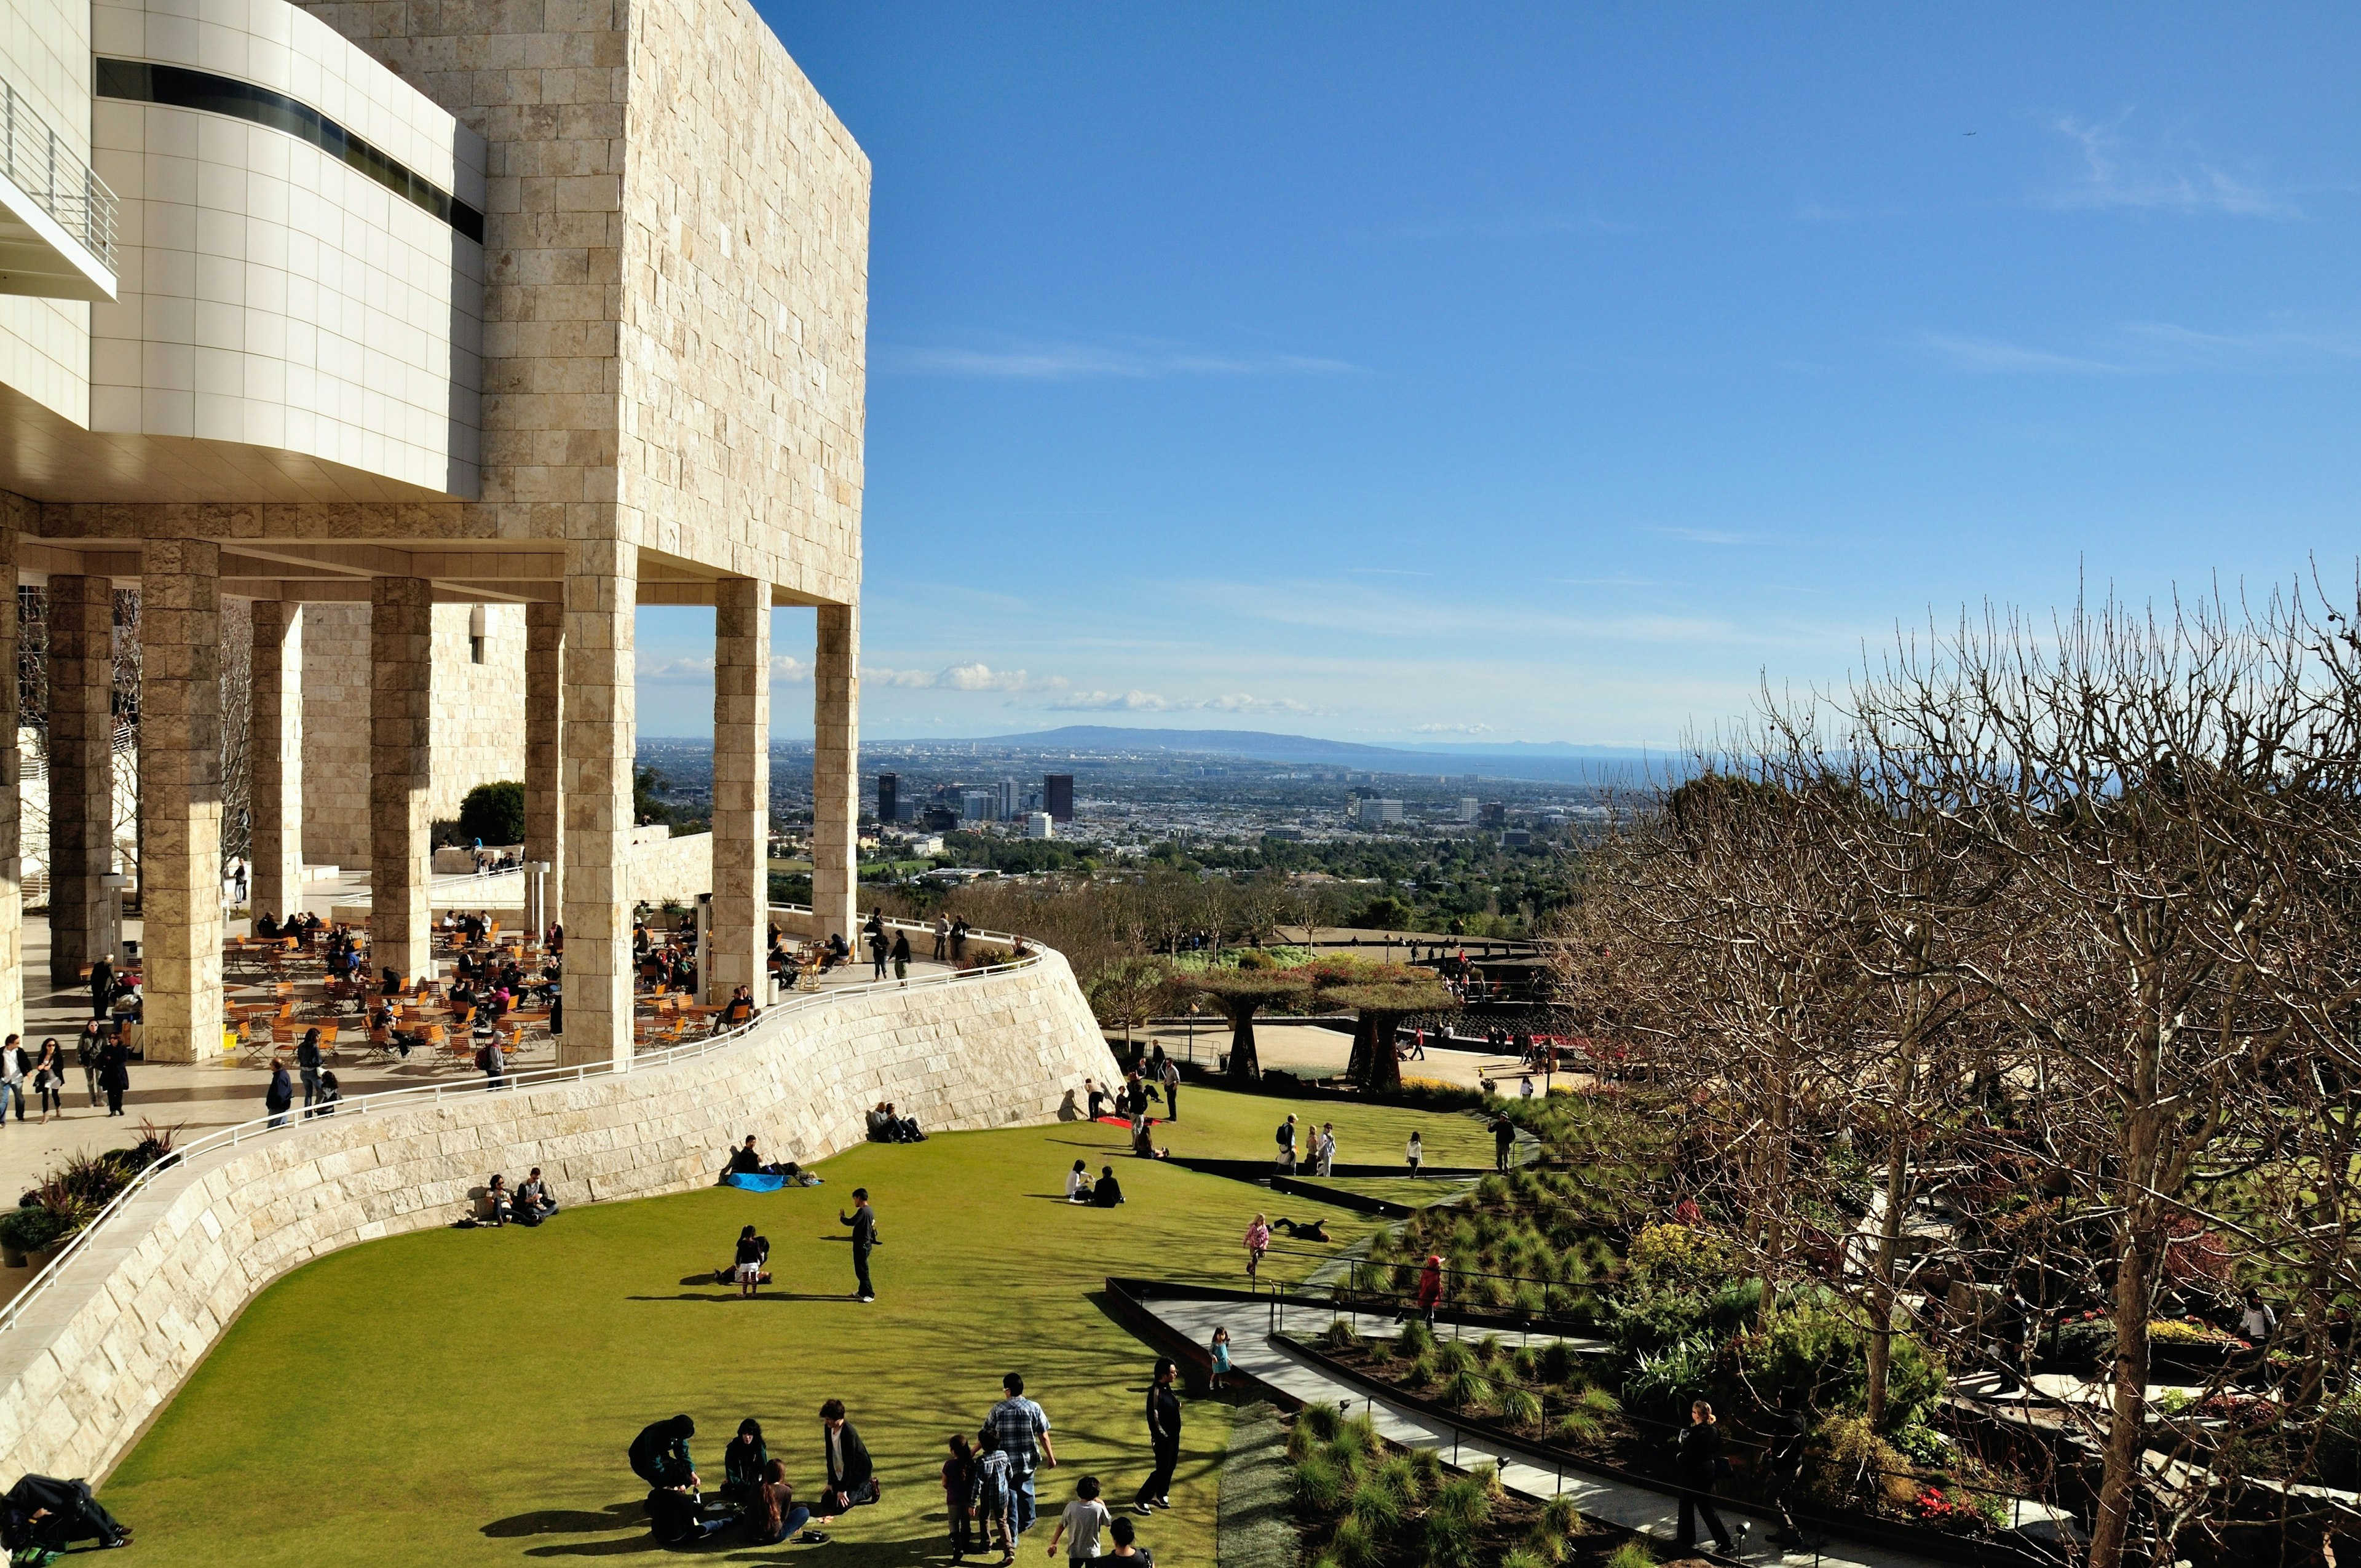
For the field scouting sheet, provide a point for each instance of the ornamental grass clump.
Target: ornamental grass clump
(1467, 1391)
(1454, 1357)
(1416, 1338)
(1355, 1545)
(1632, 1554)
(1340, 1334)
(1516, 1406)
(1319, 1484)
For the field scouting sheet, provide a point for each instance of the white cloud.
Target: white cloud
(975, 676)
(1239, 702)
(787, 667)
(2151, 348)
(1110, 702)
(1453, 729)
(1067, 361)
(1137, 701)
(1991, 355)
(2118, 176)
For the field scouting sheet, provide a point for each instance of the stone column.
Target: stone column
(742, 787)
(601, 591)
(275, 732)
(402, 660)
(836, 763)
(82, 769)
(544, 747)
(12, 867)
(180, 797)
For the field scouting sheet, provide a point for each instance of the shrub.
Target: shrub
(1321, 1419)
(1427, 1466)
(1416, 1337)
(1578, 1429)
(1419, 1371)
(1664, 1384)
(1847, 1463)
(1525, 1364)
(1487, 1475)
(1356, 1439)
(1546, 1547)
(1516, 1406)
(1558, 1363)
(1488, 1350)
(1380, 1352)
(1632, 1554)
(1301, 1444)
(1341, 1334)
(1676, 1254)
(1531, 1299)
(1560, 1517)
(35, 1228)
(494, 812)
(1355, 1545)
(1521, 1557)
(1378, 1509)
(1467, 1389)
(1319, 1484)
(1454, 1357)
(1397, 1475)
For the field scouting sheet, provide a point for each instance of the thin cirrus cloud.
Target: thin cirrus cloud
(1152, 702)
(2149, 348)
(2115, 175)
(1070, 361)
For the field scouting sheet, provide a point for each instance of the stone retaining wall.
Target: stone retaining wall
(101, 1354)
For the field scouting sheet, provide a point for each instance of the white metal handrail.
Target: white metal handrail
(46, 169)
(295, 1119)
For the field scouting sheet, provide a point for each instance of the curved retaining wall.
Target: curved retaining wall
(95, 1359)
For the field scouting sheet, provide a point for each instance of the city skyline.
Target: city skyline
(1536, 374)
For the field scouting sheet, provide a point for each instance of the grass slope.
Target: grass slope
(466, 1397)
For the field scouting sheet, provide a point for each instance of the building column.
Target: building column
(601, 592)
(402, 659)
(276, 750)
(82, 770)
(180, 797)
(544, 747)
(742, 787)
(835, 766)
(12, 867)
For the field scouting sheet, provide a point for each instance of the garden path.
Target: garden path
(1632, 1507)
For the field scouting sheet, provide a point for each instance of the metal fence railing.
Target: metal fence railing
(391, 1100)
(47, 169)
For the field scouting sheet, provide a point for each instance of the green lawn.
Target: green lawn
(466, 1396)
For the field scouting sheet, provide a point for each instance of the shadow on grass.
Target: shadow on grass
(567, 1521)
(732, 1295)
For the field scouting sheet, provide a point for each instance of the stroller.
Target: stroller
(42, 1515)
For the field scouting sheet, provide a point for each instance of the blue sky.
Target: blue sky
(1555, 373)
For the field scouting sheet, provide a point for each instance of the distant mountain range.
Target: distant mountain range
(1555, 761)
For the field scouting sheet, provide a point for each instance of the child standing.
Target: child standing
(1079, 1526)
(1415, 1154)
(995, 1499)
(959, 1496)
(1221, 1349)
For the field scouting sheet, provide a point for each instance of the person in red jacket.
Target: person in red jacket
(1430, 1287)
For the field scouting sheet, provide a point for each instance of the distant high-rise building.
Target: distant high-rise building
(1468, 806)
(979, 806)
(1040, 825)
(1058, 796)
(1516, 839)
(1496, 814)
(1009, 804)
(1372, 813)
(889, 790)
(941, 820)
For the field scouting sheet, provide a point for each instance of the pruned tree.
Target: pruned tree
(1380, 1001)
(1241, 994)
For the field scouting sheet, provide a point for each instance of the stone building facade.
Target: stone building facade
(572, 321)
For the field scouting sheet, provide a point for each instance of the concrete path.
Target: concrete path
(1632, 1507)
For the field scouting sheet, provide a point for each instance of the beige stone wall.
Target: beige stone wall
(664, 867)
(102, 1353)
(477, 715)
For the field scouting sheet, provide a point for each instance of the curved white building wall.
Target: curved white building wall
(270, 294)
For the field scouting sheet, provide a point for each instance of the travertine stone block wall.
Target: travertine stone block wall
(835, 748)
(601, 589)
(742, 785)
(97, 1358)
(477, 711)
(180, 797)
(336, 734)
(544, 747)
(81, 766)
(401, 676)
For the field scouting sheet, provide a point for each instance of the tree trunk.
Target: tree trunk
(2136, 1250)
(1375, 1069)
(1880, 1282)
(1244, 1065)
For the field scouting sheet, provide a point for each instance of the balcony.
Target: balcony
(57, 217)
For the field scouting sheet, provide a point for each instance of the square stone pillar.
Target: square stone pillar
(742, 787)
(544, 747)
(12, 867)
(402, 659)
(275, 746)
(836, 763)
(180, 797)
(82, 770)
(601, 592)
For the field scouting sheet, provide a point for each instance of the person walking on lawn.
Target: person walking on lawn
(1285, 1138)
(863, 1221)
(1015, 1425)
(1504, 1140)
(1169, 1076)
(1163, 1437)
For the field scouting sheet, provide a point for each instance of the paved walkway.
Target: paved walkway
(1310, 1048)
(1632, 1507)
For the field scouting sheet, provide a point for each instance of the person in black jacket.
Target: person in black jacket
(852, 1478)
(307, 1063)
(280, 1095)
(115, 1073)
(1699, 1460)
(863, 1221)
(101, 989)
(659, 1455)
(1163, 1437)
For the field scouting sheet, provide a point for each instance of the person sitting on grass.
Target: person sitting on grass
(906, 1128)
(1079, 1526)
(1108, 1192)
(534, 1203)
(745, 1161)
(1078, 1183)
(1144, 1145)
(773, 1516)
(500, 1203)
(41, 1515)
(743, 1461)
(882, 1126)
(852, 1478)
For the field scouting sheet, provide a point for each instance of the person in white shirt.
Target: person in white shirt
(1324, 1149)
(2256, 1321)
(1415, 1154)
(1078, 1183)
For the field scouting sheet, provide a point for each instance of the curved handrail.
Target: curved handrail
(423, 1093)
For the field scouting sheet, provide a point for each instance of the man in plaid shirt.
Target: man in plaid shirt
(1015, 1424)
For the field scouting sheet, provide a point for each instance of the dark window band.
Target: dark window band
(180, 88)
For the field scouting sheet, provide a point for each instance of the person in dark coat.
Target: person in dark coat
(863, 1221)
(102, 988)
(46, 1513)
(852, 1478)
(659, 1455)
(1163, 1437)
(114, 1073)
(743, 1462)
(307, 1062)
(280, 1095)
(1699, 1462)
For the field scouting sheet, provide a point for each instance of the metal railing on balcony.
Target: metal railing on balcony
(45, 167)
